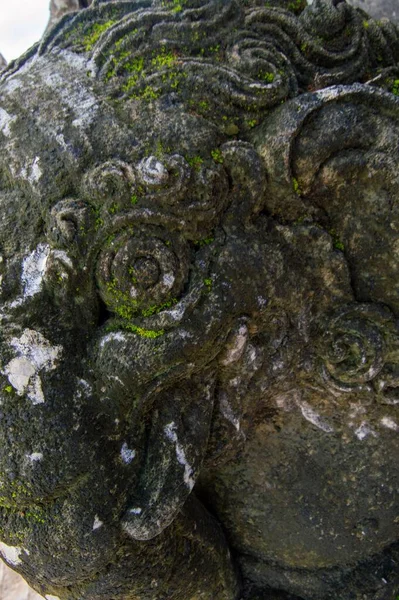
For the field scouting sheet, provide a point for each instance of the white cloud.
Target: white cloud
(22, 23)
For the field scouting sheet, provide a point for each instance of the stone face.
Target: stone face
(199, 302)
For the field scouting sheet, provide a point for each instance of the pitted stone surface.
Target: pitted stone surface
(199, 303)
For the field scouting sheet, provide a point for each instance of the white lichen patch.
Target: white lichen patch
(127, 455)
(236, 346)
(364, 430)
(83, 387)
(34, 457)
(117, 379)
(389, 423)
(262, 301)
(78, 98)
(227, 411)
(97, 523)
(34, 354)
(11, 554)
(313, 417)
(170, 432)
(136, 511)
(62, 257)
(35, 171)
(5, 122)
(33, 270)
(19, 372)
(168, 279)
(114, 336)
(153, 172)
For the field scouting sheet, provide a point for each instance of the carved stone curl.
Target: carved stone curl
(199, 357)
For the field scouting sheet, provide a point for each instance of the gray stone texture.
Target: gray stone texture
(199, 351)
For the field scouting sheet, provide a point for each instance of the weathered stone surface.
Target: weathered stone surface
(199, 301)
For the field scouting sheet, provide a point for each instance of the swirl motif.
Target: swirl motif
(69, 221)
(142, 271)
(267, 55)
(165, 179)
(110, 180)
(354, 347)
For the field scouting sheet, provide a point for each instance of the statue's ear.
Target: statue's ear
(332, 158)
(176, 445)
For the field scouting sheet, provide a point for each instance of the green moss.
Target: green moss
(267, 77)
(165, 58)
(338, 245)
(395, 87)
(231, 129)
(295, 186)
(149, 93)
(195, 162)
(133, 66)
(217, 155)
(134, 199)
(113, 208)
(36, 515)
(123, 304)
(252, 123)
(94, 33)
(203, 105)
(146, 333)
(366, 24)
(136, 69)
(208, 283)
(296, 6)
(204, 242)
(152, 310)
(8, 389)
(175, 6)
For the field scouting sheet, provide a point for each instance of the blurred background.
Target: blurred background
(22, 23)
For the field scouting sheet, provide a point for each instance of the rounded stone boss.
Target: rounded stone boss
(199, 348)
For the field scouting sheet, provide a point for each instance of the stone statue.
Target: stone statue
(199, 299)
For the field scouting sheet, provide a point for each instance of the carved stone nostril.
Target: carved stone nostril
(67, 226)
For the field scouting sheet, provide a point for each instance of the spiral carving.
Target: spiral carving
(354, 347)
(268, 54)
(140, 271)
(165, 179)
(69, 222)
(112, 180)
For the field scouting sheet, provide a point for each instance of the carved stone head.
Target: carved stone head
(199, 301)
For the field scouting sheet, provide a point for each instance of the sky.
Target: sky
(22, 23)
